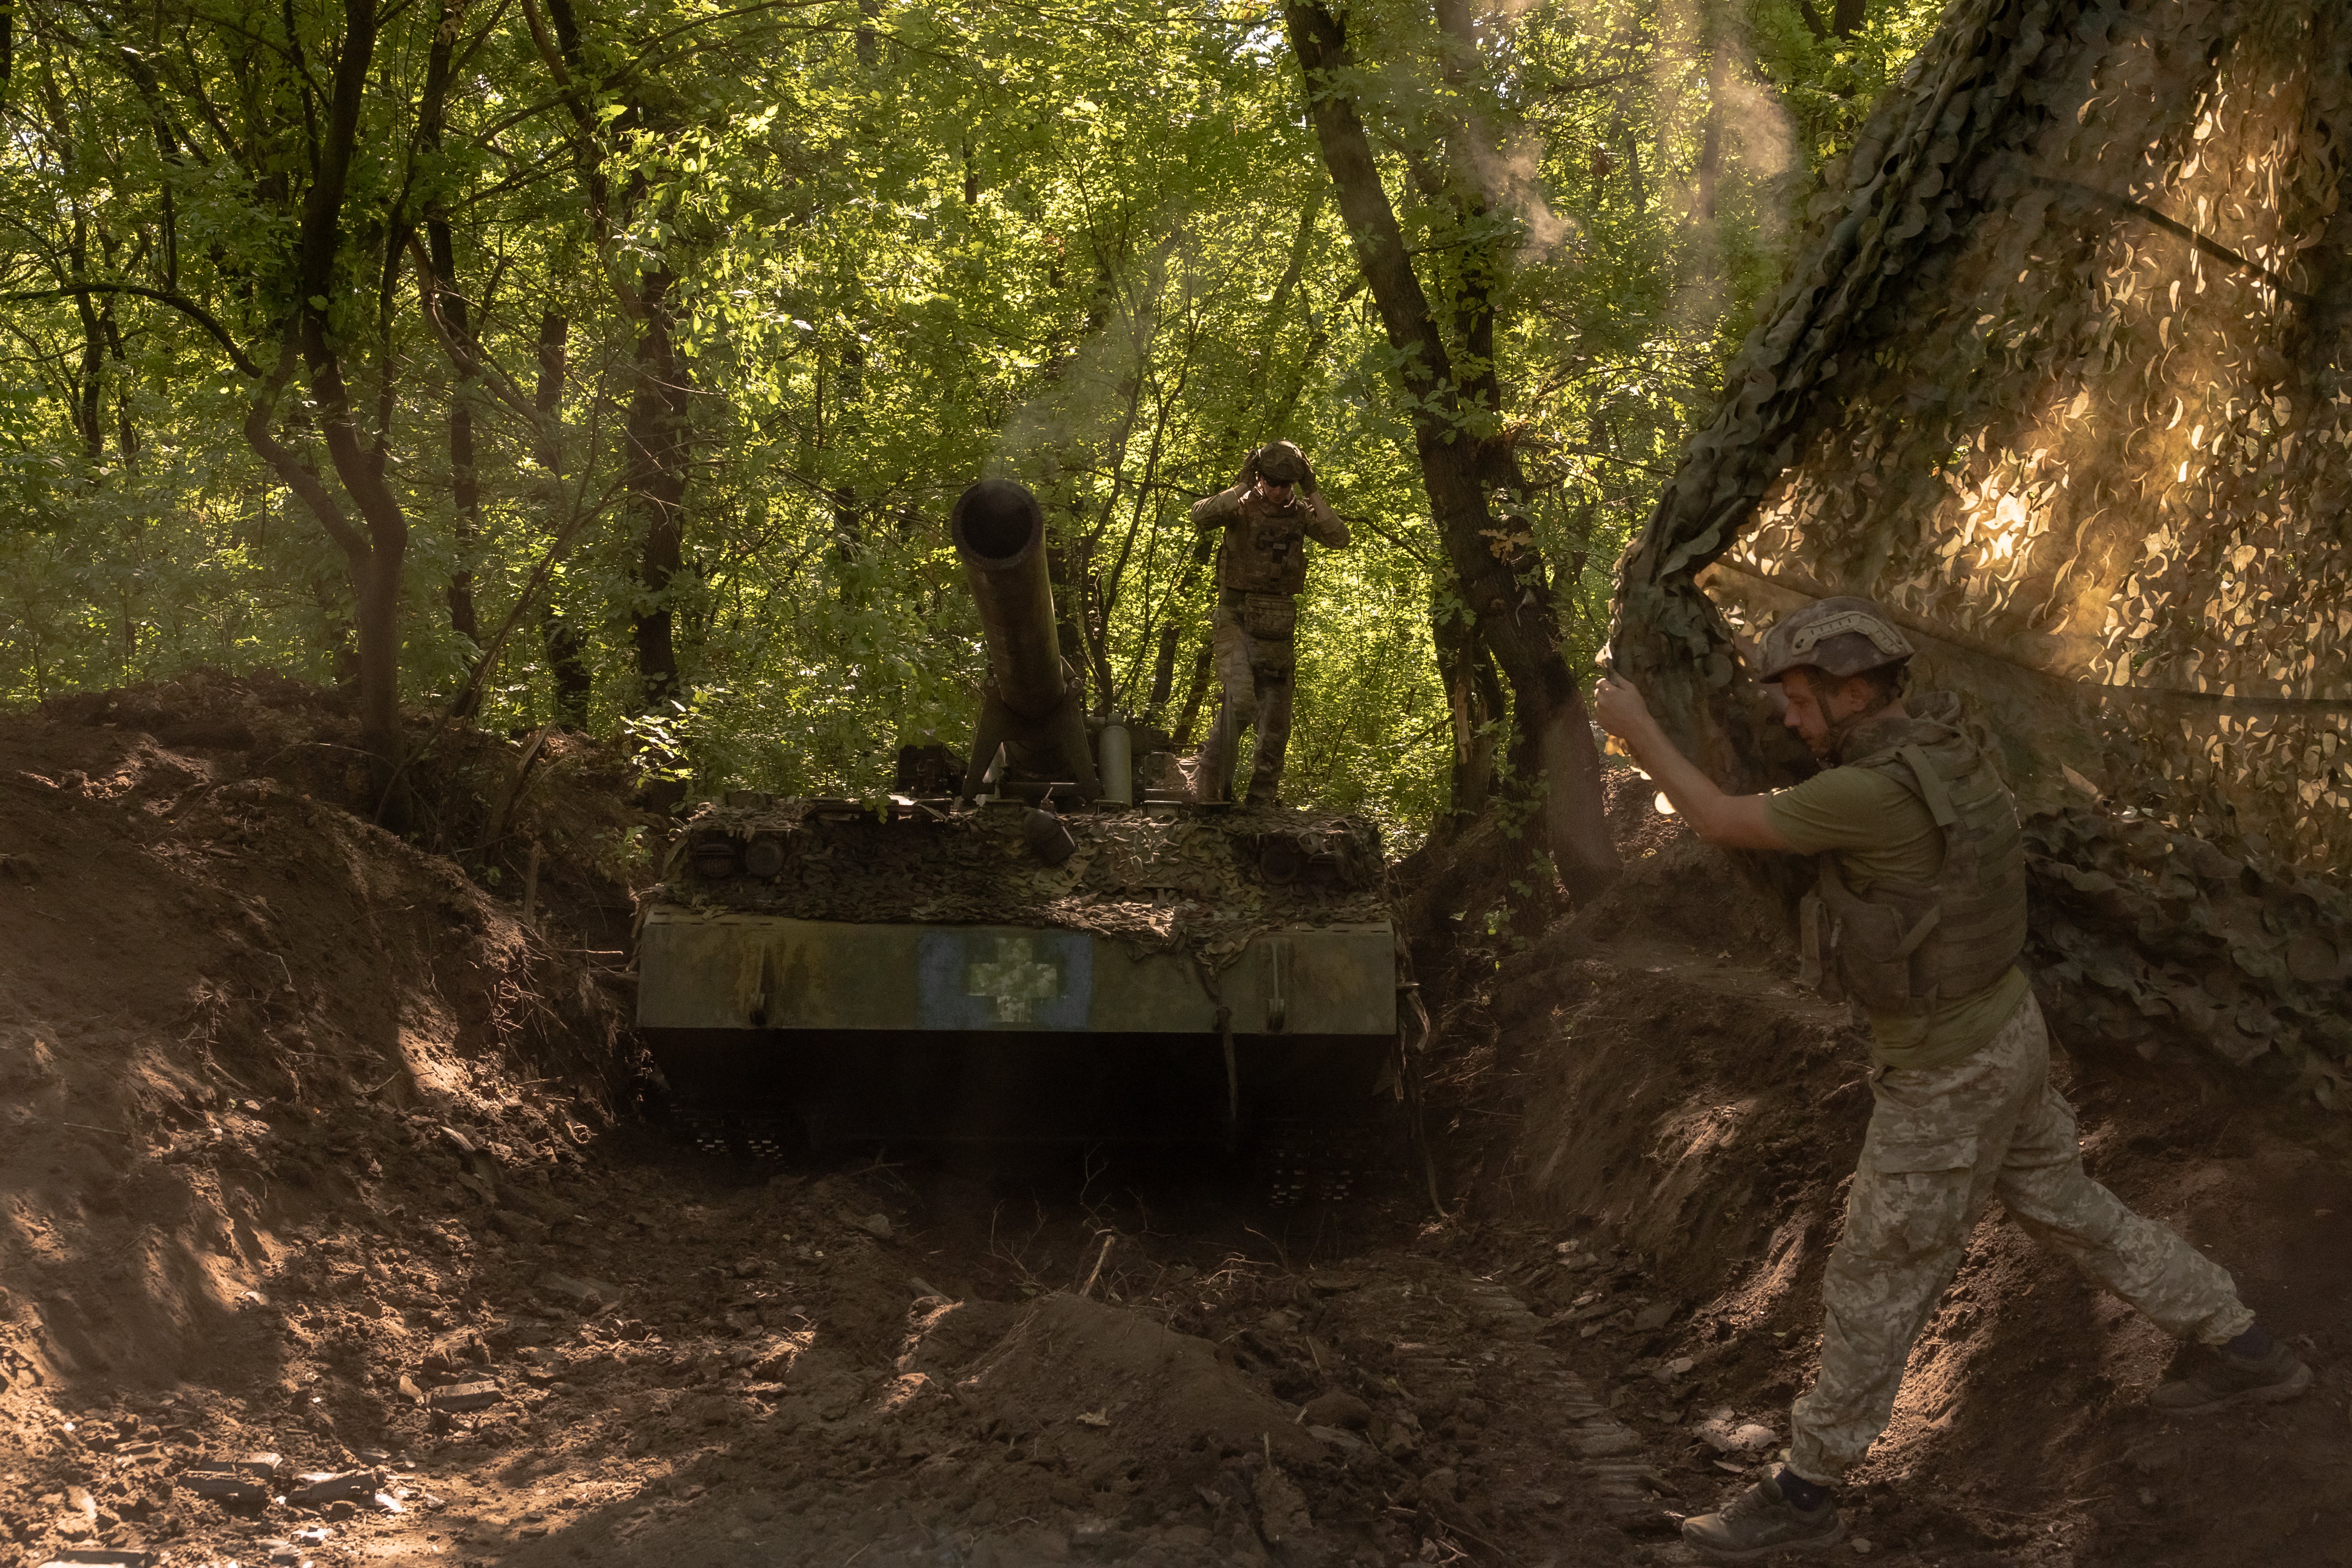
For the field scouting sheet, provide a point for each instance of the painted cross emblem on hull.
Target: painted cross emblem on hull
(1016, 980)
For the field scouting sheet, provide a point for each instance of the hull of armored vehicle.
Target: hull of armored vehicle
(1152, 983)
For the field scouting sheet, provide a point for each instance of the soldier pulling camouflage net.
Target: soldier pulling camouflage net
(1920, 847)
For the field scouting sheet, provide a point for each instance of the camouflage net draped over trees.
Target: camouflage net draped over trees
(2062, 379)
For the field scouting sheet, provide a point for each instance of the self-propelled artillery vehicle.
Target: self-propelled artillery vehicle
(1040, 954)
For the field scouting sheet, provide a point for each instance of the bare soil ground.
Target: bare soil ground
(298, 1124)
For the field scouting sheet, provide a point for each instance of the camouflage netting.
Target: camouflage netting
(2142, 935)
(2062, 380)
(1160, 879)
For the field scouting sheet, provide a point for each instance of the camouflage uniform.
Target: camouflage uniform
(1943, 1140)
(1261, 567)
(1951, 1132)
(1255, 675)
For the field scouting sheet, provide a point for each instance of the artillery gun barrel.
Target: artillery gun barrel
(1030, 702)
(1000, 535)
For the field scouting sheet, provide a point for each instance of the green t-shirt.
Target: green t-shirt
(1879, 831)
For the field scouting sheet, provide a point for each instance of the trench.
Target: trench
(231, 1227)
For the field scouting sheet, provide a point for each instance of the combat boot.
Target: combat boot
(1761, 1522)
(2214, 1378)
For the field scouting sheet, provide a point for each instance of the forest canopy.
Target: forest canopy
(615, 364)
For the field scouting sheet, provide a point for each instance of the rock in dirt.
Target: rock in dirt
(1725, 1436)
(1439, 1485)
(322, 1487)
(96, 1556)
(1170, 1399)
(226, 1482)
(1281, 1506)
(1337, 1408)
(586, 1294)
(459, 1397)
(1605, 1442)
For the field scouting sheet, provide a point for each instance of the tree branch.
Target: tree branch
(179, 302)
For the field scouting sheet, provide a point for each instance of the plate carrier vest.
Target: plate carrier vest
(1265, 547)
(1905, 946)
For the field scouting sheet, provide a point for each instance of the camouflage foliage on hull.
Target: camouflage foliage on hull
(1159, 878)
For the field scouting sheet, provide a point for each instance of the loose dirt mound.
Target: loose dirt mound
(1649, 1069)
(1091, 1383)
(230, 1004)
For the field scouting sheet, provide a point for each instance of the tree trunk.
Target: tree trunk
(376, 546)
(567, 649)
(1163, 673)
(655, 477)
(1474, 695)
(1195, 690)
(1505, 590)
(88, 383)
(465, 489)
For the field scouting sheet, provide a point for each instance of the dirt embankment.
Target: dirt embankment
(305, 1125)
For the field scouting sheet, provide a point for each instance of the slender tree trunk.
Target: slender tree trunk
(1163, 673)
(655, 475)
(654, 469)
(1505, 590)
(1194, 691)
(566, 647)
(1474, 695)
(465, 489)
(88, 383)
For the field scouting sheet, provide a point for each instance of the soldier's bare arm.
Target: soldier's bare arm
(1734, 821)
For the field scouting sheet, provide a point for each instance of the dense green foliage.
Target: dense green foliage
(868, 252)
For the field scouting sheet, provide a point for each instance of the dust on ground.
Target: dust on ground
(308, 1126)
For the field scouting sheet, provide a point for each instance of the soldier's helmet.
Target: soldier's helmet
(1840, 637)
(1278, 463)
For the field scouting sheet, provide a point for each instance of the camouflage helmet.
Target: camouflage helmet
(1840, 637)
(1278, 463)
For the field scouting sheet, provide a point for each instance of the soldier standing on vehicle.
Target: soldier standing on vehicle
(1920, 916)
(1267, 518)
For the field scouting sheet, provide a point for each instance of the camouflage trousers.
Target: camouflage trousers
(1256, 674)
(1942, 1143)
